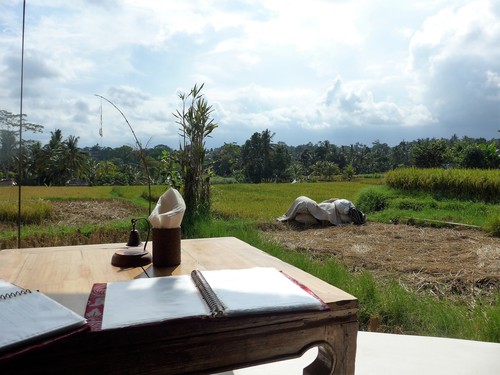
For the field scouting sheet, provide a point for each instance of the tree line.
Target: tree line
(61, 161)
(261, 160)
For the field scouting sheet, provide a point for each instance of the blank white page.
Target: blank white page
(151, 300)
(256, 290)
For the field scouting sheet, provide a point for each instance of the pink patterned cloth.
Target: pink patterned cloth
(95, 306)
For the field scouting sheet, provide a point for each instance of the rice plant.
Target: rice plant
(476, 184)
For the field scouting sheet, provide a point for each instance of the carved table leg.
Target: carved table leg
(324, 364)
(337, 355)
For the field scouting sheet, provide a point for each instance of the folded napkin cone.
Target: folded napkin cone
(169, 210)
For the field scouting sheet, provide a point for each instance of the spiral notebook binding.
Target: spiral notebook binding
(18, 293)
(214, 303)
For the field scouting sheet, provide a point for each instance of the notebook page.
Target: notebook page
(257, 290)
(32, 316)
(151, 300)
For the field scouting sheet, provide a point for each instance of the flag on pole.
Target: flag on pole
(100, 129)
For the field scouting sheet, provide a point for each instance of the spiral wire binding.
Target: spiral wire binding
(14, 294)
(214, 303)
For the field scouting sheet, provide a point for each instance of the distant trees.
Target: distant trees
(226, 161)
(281, 161)
(9, 141)
(326, 161)
(264, 161)
(58, 161)
(259, 159)
(400, 155)
(325, 170)
(429, 154)
(8, 147)
(482, 156)
(380, 154)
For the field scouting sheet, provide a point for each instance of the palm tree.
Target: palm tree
(75, 159)
(51, 163)
(257, 157)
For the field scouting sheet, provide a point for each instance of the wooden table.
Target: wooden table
(67, 274)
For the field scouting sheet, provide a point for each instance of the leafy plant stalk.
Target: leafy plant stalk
(196, 125)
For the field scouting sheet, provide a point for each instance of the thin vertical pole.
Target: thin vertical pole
(20, 161)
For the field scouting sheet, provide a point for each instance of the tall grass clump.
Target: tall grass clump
(32, 212)
(475, 184)
(491, 330)
(493, 225)
(385, 204)
(373, 199)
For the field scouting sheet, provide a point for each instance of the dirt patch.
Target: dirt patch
(440, 261)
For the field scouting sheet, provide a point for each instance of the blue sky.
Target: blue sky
(345, 71)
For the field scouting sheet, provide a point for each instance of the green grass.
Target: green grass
(398, 309)
(131, 193)
(267, 201)
(32, 211)
(384, 204)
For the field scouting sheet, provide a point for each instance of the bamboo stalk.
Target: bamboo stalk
(446, 222)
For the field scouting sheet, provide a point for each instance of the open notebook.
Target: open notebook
(222, 293)
(28, 317)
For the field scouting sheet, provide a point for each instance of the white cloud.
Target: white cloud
(356, 106)
(454, 57)
(409, 69)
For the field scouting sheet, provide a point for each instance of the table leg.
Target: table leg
(337, 355)
(324, 364)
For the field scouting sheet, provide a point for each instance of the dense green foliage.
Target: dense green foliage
(492, 225)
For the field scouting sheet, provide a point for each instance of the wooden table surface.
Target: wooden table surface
(67, 274)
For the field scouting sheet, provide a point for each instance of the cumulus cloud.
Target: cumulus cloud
(455, 57)
(345, 105)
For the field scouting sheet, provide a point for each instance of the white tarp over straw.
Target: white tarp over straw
(306, 210)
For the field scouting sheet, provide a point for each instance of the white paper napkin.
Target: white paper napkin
(169, 210)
